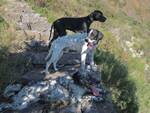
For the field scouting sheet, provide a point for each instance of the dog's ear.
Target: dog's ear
(98, 11)
(95, 12)
(95, 34)
(100, 35)
(90, 34)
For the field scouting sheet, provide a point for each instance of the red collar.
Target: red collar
(90, 44)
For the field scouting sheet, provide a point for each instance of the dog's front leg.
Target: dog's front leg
(83, 57)
(58, 55)
(47, 66)
(46, 69)
(55, 68)
(91, 58)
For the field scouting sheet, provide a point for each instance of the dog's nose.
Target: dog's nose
(105, 19)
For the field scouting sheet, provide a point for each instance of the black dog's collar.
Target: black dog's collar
(90, 18)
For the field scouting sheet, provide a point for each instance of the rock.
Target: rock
(57, 95)
(65, 81)
(70, 109)
(45, 90)
(76, 91)
(87, 106)
(90, 107)
(11, 90)
(37, 58)
(32, 76)
(91, 77)
(35, 75)
(37, 45)
(29, 94)
(60, 92)
(4, 106)
(33, 108)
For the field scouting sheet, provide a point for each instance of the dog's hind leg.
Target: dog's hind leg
(58, 56)
(49, 53)
(47, 65)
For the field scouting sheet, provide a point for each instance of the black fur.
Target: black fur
(80, 24)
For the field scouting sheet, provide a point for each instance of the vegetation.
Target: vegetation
(115, 77)
(12, 65)
(122, 74)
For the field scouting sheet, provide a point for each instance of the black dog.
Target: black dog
(80, 24)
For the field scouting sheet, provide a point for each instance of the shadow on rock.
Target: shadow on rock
(35, 92)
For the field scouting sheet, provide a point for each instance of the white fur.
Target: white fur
(71, 42)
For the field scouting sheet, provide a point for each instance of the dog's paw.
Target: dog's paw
(44, 72)
(47, 73)
(56, 69)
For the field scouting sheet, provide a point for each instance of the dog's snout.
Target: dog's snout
(103, 19)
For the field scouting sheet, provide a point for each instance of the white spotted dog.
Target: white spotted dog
(81, 42)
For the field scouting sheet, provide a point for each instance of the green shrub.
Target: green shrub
(115, 77)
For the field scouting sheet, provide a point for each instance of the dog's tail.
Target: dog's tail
(51, 30)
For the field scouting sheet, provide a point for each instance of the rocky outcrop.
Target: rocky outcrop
(66, 91)
(65, 94)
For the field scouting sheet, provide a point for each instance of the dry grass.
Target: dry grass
(12, 64)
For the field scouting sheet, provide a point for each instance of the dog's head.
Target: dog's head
(94, 36)
(97, 16)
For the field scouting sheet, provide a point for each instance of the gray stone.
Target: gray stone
(37, 58)
(57, 94)
(65, 81)
(61, 90)
(33, 76)
(11, 89)
(70, 109)
(76, 92)
(37, 44)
